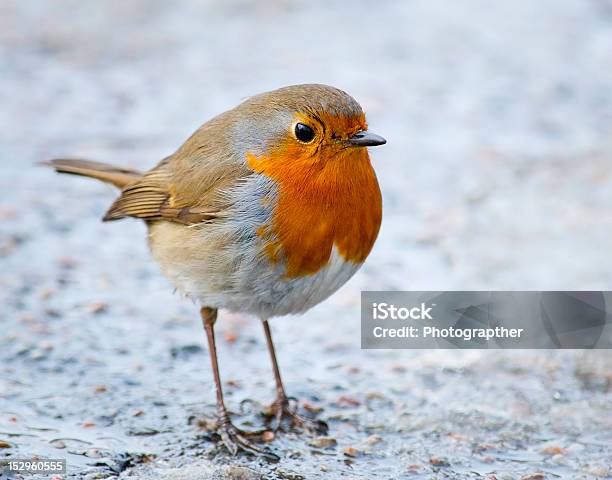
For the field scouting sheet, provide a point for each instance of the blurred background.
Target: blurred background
(496, 175)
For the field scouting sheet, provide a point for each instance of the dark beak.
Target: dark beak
(366, 139)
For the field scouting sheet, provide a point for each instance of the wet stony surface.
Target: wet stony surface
(496, 176)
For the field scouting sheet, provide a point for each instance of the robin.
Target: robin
(267, 209)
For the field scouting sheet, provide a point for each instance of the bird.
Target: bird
(266, 210)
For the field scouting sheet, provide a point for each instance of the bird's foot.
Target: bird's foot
(236, 440)
(282, 409)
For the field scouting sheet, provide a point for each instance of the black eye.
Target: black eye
(304, 133)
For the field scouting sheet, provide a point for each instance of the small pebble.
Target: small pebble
(351, 452)
(287, 475)
(374, 396)
(552, 450)
(458, 437)
(373, 440)
(439, 462)
(323, 442)
(348, 401)
(534, 476)
(96, 476)
(241, 473)
(483, 447)
(5, 444)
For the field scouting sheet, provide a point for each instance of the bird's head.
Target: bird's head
(302, 126)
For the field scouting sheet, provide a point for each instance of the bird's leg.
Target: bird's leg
(233, 438)
(281, 408)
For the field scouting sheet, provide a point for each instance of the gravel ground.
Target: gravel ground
(496, 176)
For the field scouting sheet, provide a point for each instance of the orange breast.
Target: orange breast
(331, 199)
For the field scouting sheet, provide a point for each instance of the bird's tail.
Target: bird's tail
(117, 176)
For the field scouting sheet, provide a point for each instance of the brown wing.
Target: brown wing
(189, 186)
(144, 198)
(153, 198)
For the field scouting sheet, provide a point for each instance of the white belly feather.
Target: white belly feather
(224, 264)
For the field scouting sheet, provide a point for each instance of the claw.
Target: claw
(236, 440)
(281, 409)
